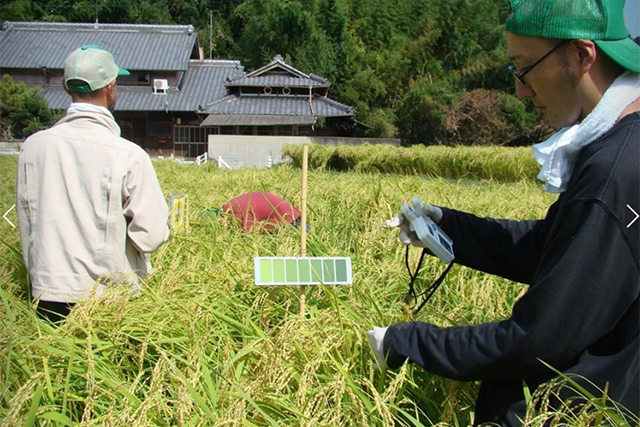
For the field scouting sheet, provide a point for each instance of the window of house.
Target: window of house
(245, 130)
(139, 128)
(159, 129)
(265, 130)
(144, 79)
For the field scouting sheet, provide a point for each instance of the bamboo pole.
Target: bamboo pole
(303, 221)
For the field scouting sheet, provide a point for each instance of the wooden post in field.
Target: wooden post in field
(303, 220)
(302, 271)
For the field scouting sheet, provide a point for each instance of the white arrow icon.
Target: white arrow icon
(7, 213)
(634, 219)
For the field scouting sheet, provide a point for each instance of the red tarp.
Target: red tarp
(260, 211)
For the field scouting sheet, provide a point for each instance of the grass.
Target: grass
(203, 346)
(494, 163)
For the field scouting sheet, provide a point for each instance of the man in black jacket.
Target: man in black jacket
(575, 61)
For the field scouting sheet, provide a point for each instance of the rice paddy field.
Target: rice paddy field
(204, 346)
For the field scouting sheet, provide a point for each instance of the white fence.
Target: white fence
(231, 162)
(202, 159)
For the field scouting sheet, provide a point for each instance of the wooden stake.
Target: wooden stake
(303, 220)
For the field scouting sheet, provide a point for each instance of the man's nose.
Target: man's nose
(523, 90)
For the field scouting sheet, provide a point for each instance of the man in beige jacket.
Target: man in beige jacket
(89, 204)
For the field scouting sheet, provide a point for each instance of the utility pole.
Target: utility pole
(210, 33)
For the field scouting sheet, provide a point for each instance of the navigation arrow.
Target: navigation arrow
(634, 219)
(11, 208)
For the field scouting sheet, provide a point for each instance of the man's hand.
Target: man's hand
(405, 235)
(376, 338)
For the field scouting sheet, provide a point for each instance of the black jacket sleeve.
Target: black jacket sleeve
(579, 292)
(506, 248)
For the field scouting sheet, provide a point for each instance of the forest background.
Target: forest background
(425, 71)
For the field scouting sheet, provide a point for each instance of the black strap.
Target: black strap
(412, 278)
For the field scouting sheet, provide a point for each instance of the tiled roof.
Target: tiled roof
(278, 74)
(278, 81)
(205, 85)
(202, 84)
(134, 47)
(266, 109)
(278, 105)
(277, 63)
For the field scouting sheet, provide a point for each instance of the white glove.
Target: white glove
(376, 338)
(405, 235)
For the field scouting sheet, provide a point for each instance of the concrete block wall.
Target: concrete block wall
(9, 147)
(263, 151)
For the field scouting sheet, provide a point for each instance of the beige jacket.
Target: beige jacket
(89, 206)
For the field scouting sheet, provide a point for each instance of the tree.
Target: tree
(421, 114)
(486, 117)
(23, 110)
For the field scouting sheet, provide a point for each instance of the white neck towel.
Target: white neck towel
(77, 107)
(557, 155)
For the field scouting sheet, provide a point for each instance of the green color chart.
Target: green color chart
(272, 271)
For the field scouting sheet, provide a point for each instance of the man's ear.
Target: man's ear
(64, 85)
(111, 86)
(585, 54)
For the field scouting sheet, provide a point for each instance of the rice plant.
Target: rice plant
(488, 162)
(204, 346)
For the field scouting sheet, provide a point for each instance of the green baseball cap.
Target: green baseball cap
(599, 20)
(90, 68)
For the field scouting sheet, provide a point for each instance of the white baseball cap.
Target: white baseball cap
(90, 68)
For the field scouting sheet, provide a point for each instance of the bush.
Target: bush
(487, 117)
(23, 111)
(381, 123)
(422, 112)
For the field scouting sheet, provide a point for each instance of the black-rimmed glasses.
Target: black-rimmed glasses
(520, 75)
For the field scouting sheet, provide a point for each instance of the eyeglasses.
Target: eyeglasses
(520, 75)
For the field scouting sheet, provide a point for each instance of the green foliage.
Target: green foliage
(382, 124)
(23, 110)
(422, 112)
(273, 27)
(19, 10)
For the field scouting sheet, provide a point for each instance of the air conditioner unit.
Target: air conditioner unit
(160, 85)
